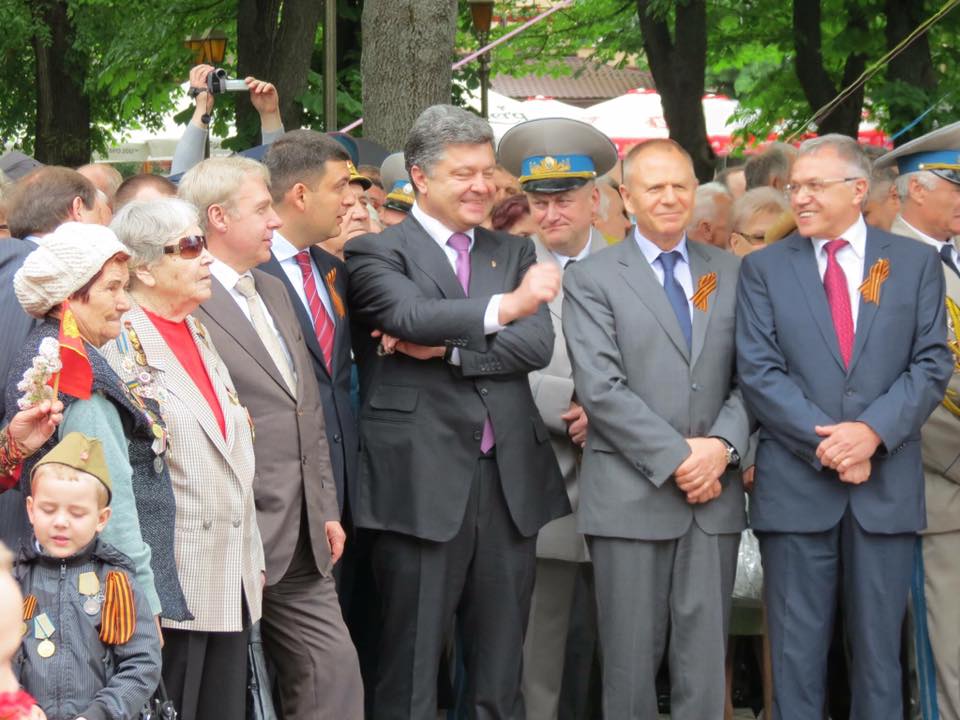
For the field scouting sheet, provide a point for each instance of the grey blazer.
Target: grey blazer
(645, 392)
(552, 392)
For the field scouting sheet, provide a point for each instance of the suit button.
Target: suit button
(299, 412)
(207, 524)
(484, 392)
(695, 387)
(236, 523)
(303, 461)
(848, 392)
(477, 435)
(336, 437)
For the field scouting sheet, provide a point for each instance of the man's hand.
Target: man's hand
(203, 103)
(266, 102)
(336, 538)
(389, 345)
(846, 444)
(540, 284)
(748, 478)
(706, 463)
(856, 474)
(31, 428)
(576, 419)
(705, 493)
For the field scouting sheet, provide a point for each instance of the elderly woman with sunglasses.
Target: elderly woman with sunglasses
(164, 354)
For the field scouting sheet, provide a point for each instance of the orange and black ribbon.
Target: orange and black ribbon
(118, 619)
(705, 288)
(870, 288)
(331, 278)
(29, 607)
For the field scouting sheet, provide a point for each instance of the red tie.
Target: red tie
(322, 324)
(838, 296)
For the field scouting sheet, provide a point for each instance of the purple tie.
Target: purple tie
(461, 243)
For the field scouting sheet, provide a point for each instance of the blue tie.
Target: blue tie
(675, 293)
(946, 253)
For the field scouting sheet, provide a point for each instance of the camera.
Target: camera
(218, 82)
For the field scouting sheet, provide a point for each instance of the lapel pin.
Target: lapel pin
(877, 275)
(493, 263)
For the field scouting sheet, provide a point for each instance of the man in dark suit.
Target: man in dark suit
(456, 470)
(255, 330)
(841, 348)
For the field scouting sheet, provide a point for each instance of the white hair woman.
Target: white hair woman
(166, 353)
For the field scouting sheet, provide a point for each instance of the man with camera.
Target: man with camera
(205, 83)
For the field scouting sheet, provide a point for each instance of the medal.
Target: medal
(158, 465)
(91, 606)
(89, 585)
(46, 648)
(128, 366)
(29, 608)
(23, 629)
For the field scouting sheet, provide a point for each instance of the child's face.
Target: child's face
(64, 510)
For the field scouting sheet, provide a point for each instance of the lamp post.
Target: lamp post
(210, 47)
(481, 12)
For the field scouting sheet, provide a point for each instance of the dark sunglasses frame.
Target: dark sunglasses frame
(187, 247)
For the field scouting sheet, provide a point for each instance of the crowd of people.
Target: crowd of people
(439, 433)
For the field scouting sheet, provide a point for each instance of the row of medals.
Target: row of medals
(144, 385)
(88, 585)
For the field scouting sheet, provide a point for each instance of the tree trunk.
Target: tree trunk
(913, 66)
(62, 126)
(407, 53)
(275, 42)
(818, 86)
(678, 66)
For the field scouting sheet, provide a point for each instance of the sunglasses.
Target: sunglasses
(188, 247)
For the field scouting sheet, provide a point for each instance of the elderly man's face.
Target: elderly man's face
(459, 190)
(882, 206)
(938, 209)
(506, 185)
(563, 219)
(659, 191)
(824, 202)
(615, 226)
(749, 237)
(249, 224)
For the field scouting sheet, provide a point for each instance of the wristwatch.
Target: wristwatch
(733, 457)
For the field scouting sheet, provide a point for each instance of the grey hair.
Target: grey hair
(216, 180)
(756, 201)
(845, 147)
(926, 179)
(882, 178)
(439, 126)
(705, 201)
(145, 226)
(773, 163)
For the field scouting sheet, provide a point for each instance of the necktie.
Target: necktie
(946, 253)
(675, 293)
(247, 287)
(838, 296)
(461, 243)
(322, 322)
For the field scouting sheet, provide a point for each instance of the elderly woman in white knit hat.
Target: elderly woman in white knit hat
(85, 266)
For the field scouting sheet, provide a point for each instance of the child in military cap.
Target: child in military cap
(90, 649)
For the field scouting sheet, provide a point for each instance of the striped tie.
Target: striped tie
(322, 323)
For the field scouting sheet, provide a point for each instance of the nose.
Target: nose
(351, 197)
(669, 196)
(123, 302)
(205, 257)
(553, 213)
(274, 221)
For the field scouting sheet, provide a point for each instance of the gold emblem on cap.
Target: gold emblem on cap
(549, 165)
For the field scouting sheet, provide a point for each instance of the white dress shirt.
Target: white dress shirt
(934, 243)
(564, 260)
(286, 254)
(681, 270)
(228, 277)
(850, 257)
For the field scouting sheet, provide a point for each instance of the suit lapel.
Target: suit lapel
(808, 275)
(428, 256)
(487, 260)
(224, 311)
(273, 299)
(639, 276)
(875, 249)
(700, 266)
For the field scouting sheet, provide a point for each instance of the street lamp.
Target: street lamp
(209, 48)
(482, 13)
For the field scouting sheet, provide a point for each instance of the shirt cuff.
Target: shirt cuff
(491, 318)
(454, 356)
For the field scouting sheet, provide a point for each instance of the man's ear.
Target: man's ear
(419, 178)
(296, 196)
(217, 217)
(102, 518)
(77, 208)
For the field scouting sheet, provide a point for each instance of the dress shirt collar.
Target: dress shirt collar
(565, 259)
(651, 252)
(922, 236)
(282, 248)
(855, 235)
(436, 229)
(225, 274)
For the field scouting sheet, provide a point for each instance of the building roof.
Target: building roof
(588, 83)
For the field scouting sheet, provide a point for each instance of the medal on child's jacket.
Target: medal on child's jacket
(29, 608)
(42, 630)
(88, 584)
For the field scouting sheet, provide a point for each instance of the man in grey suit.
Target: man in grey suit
(255, 330)
(929, 188)
(557, 161)
(456, 470)
(649, 327)
(842, 356)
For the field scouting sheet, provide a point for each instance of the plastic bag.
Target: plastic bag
(749, 582)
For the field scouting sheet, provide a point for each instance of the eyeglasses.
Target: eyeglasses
(758, 239)
(815, 187)
(188, 247)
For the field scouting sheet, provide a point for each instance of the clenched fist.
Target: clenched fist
(540, 284)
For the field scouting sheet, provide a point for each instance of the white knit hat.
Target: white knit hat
(64, 262)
